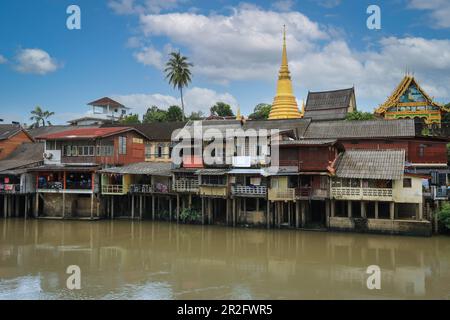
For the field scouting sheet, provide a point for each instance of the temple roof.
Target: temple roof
(329, 105)
(394, 99)
(371, 164)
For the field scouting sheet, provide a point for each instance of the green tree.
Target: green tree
(196, 115)
(261, 112)
(40, 117)
(178, 73)
(174, 113)
(444, 215)
(221, 109)
(131, 119)
(359, 115)
(155, 114)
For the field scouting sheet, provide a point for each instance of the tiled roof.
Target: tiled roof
(35, 132)
(156, 131)
(328, 105)
(8, 130)
(361, 129)
(371, 164)
(149, 168)
(26, 154)
(84, 133)
(103, 102)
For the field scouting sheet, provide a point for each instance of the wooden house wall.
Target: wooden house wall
(9, 145)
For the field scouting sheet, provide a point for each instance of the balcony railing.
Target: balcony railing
(10, 188)
(54, 186)
(287, 194)
(250, 191)
(439, 193)
(348, 193)
(148, 188)
(190, 185)
(114, 189)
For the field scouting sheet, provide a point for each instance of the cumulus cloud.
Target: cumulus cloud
(3, 59)
(195, 99)
(328, 3)
(124, 7)
(439, 11)
(283, 5)
(149, 56)
(35, 61)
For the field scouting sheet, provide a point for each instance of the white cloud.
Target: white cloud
(149, 56)
(328, 3)
(195, 99)
(125, 7)
(439, 11)
(35, 61)
(246, 45)
(283, 5)
(3, 59)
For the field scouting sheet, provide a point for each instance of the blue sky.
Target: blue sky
(235, 47)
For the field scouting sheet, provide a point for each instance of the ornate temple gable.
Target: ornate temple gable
(409, 100)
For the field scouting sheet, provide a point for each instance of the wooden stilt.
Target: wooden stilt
(132, 207)
(63, 205)
(303, 207)
(141, 212)
(92, 205)
(112, 207)
(170, 208)
(36, 205)
(297, 214)
(203, 210)
(153, 207)
(234, 212)
(178, 208)
(5, 206)
(376, 209)
(268, 214)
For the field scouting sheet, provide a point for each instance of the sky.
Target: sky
(235, 46)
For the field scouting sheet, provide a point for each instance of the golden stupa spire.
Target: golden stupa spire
(284, 104)
(238, 114)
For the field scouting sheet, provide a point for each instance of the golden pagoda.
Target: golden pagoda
(410, 101)
(284, 104)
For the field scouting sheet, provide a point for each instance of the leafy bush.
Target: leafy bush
(444, 215)
(190, 215)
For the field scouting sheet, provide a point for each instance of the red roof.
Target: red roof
(103, 102)
(84, 133)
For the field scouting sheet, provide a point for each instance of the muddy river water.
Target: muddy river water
(159, 260)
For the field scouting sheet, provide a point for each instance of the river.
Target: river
(159, 260)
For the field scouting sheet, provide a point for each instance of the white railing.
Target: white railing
(190, 185)
(148, 188)
(249, 190)
(361, 193)
(10, 188)
(282, 194)
(113, 189)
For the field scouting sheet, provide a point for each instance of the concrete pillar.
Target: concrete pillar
(112, 207)
(333, 207)
(327, 212)
(36, 206)
(153, 207)
(203, 210)
(26, 207)
(392, 210)
(234, 212)
(64, 205)
(363, 210)
(376, 209)
(303, 207)
(268, 214)
(178, 207)
(227, 211)
(297, 214)
(170, 208)
(349, 209)
(5, 206)
(419, 211)
(132, 207)
(92, 206)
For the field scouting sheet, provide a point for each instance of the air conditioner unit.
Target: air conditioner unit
(48, 155)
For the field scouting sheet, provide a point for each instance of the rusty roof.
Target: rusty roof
(85, 133)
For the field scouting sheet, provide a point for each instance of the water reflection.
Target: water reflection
(147, 260)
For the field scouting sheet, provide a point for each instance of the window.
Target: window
(78, 151)
(213, 180)
(407, 183)
(159, 151)
(122, 145)
(422, 150)
(148, 150)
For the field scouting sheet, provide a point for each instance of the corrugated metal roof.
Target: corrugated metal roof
(361, 129)
(312, 142)
(8, 130)
(66, 167)
(371, 164)
(148, 168)
(156, 131)
(84, 133)
(27, 154)
(328, 105)
(35, 132)
(211, 172)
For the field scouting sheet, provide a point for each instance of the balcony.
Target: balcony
(51, 187)
(373, 194)
(10, 188)
(148, 188)
(213, 190)
(439, 193)
(114, 189)
(276, 194)
(190, 185)
(249, 191)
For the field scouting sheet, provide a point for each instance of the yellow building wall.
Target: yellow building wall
(408, 195)
(151, 156)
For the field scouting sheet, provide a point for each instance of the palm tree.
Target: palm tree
(40, 116)
(178, 73)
